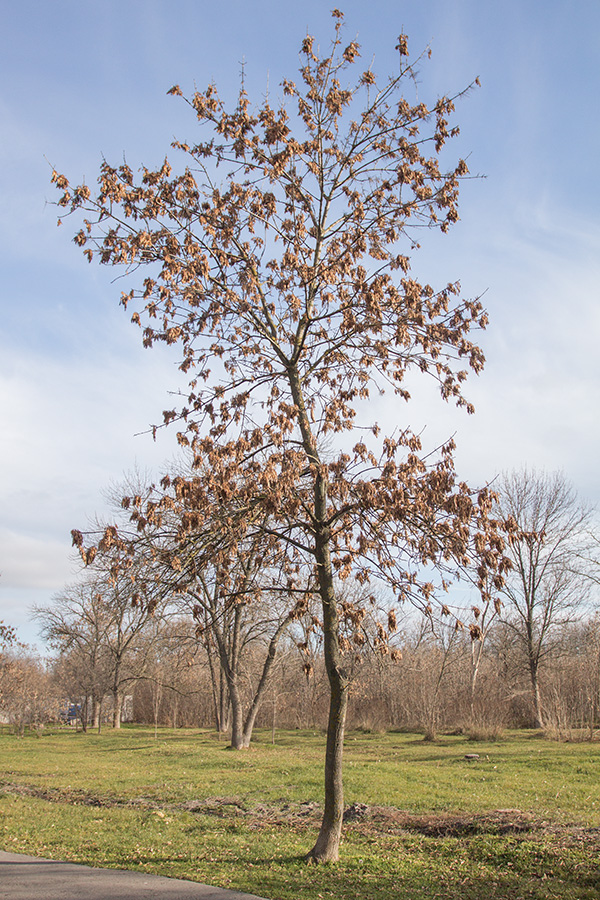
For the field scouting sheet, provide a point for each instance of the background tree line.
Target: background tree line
(188, 652)
(426, 690)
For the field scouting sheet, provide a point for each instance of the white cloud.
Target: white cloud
(69, 431)
(39, 563)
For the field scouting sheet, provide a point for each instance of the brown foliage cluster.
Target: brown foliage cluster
(288, 289)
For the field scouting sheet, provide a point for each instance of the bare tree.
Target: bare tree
(236, 590)
(134, 628)
(484, 616)
(8, 638)
(76, 625)
(239, 618)
(548, 585)
(26, 695)
(107, 625)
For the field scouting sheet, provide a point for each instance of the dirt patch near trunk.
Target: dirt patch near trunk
(359, 816)
(499, 821)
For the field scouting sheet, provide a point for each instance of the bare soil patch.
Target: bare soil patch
(359, 816)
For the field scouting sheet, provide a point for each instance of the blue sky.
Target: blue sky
(82, 80)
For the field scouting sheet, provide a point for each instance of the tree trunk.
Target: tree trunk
(476, 654)
(96, 712)
(224, 705)
(156, 703)
(538, 718)
(220, 694)
(533, 657)
(117, 709)
(327, 846)
(537, 700)
(238, 737)
(263, 682)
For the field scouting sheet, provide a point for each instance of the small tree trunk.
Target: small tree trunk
(217, 687)
(535, 690)
(263, 682)
(537, 701)
(96, 712)
(156, 703)
(117, 709)
(475, 660)
(238, 739)
(327, 846)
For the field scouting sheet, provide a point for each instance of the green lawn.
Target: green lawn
(185, 805)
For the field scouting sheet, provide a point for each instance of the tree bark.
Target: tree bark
(476, 655)
(327, 846)
(533, 657)
(263, 682)
(117, 709)
(96, 712)
(239, 740)
(229, 657)
(537, 699)
(219, 692)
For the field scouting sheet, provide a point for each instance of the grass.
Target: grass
(125, 800)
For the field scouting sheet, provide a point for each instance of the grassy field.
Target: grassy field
(521, 821)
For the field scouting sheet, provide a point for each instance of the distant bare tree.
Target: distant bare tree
(26, 696)
(7, 638)
(106, 625)
(76, 626)
(549, 583)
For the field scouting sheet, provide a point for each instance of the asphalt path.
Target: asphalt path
(31, 878)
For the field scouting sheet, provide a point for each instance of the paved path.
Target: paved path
(31, 878)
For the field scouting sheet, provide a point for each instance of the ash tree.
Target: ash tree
(276, 258)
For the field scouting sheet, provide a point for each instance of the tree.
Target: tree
(236, 626)
(26, 696)
(107, 625)
(76, 625)
(484, 617)
(231, 589)
(8, 639)
(549, 581)
(135, 611)
(236, 605)
(288, 288)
